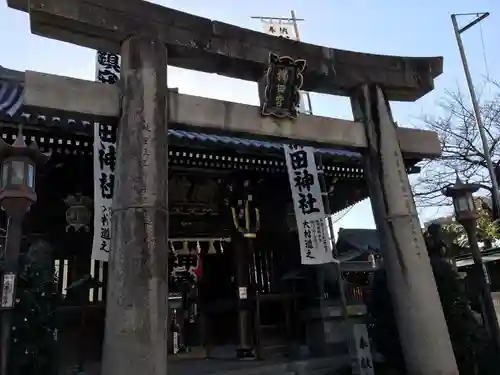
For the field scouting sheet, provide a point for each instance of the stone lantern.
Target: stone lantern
(466, 215)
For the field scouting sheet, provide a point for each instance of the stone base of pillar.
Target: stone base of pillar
(327, 333)
(245, 353)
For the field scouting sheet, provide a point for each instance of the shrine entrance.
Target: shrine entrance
(209, 256)
(210, 181)
(253, 195)
(202, 295)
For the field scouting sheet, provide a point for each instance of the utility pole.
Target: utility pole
(495, 193)
(489, 314)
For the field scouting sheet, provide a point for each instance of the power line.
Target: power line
(340, 215)
(484, 52)
(280, 19)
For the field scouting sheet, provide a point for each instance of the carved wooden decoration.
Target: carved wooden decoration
(196, 205)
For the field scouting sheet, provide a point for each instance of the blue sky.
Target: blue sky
(408, 28)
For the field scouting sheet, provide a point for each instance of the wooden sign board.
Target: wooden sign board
(284, 79)
(361, 353)
(8, 291)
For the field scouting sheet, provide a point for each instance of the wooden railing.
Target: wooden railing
(64, 276)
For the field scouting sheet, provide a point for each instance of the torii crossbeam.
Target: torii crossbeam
(217, 116)
(215, 47)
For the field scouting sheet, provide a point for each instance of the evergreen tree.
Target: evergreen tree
(32, 350)
(472, 346)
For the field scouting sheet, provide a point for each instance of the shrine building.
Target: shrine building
(208, 175)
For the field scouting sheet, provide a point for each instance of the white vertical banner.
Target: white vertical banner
(8, 290)
(108, 66)
(107, 71)
(304, 106)
(363, 353)
(104, 180)
(284, 30)
(315, 246)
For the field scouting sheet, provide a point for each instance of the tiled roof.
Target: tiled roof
(11, 109)
(364, 240)
(236, 141)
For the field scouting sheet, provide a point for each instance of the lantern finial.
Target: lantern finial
(19, 142)
(458, 180)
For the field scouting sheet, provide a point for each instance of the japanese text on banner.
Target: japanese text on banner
(314, 239)
(107, 67)
(104, 179)
(107, 71)
(284, 30)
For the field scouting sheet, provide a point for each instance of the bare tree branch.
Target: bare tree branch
(461, 144)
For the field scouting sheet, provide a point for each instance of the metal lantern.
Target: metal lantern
(18, 171)
(17, 194)
(245, 218)
(465, 212)
(244, 212)
(19, 162)
(463, 202)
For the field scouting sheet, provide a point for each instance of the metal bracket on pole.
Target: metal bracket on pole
(480, 17)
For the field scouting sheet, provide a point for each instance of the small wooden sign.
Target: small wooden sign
(361, 353)
(242, 292)
(284, 79)
(8, 291)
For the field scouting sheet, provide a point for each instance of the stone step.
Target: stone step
(276, 350)
(319, 366)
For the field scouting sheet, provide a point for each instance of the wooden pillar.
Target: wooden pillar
(136, 314)
(241, 247)
(244, 233)
(422, 327)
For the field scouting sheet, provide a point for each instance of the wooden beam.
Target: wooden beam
(215, 47)
(358, 266)
(216, 116)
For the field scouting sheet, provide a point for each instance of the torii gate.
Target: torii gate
(143, 33)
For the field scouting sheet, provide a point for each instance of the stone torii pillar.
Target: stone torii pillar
(422, 327)
(136, 310)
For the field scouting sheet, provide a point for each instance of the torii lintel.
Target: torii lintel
(215, 47)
